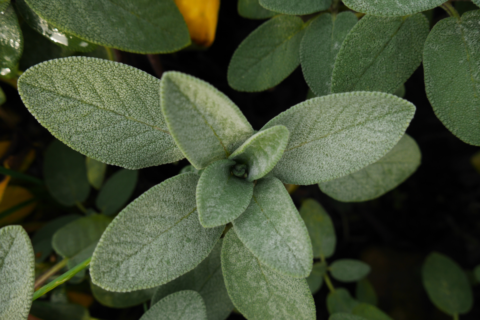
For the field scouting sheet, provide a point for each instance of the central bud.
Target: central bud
(240, 170)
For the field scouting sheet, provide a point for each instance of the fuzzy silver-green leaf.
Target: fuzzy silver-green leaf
(389, 8)
(349, 270)
(11, 42)
(182, 305)
(95, 172)
(298, 7)
(116, 191)
(121, 300)
(251, 9)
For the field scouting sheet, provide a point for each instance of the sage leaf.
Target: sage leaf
(182, 305)
(298, 7)
(115, 108)
(206, 125)
(451, 62)
(116, 191)
(401, 91)
(477, 2)
(259, 292)
(315, 279)
(144, 26)
(262, 151)
(221, 196)
(345, 316)
(335, 135)
(65, 174)
(340, 300)
(274, 232)
(251, 9)
(349, 270)
(446, 284)
(17, 273)
(154, 240)
(3, 5)
(380, 54)
(11, 42)
(389, 8)
(320, 46)
(95, 172)
(120, 300)
(267, 56)
(365, 292)
(370, 312)
(378, 178)
(57, 310)
(206, 279)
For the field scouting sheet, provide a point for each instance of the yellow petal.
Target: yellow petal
(13, 196)
(201, 17)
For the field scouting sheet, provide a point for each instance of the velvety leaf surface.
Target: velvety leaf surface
(95, 172)
(251, 9)
(380, 54)
(4, 5)
(320, 228)
(17, 274)
(262, 151)
(315, 279)
(143, 26)
(11, 42)
(452, 80)
(206, 279)
(54, 311)
(154, 240)
(320, 46)
(221, 196)
(205, 123)
(65, 174)
(297, 7)
(274, 232)
(103, 109)
(447, 284)
(370, 312)
(267, 56)
(116, 191)
(340, 300)
(388, 8)
(259, 292)
(121, 299)
(335, 135)
(378, 178)
(349, 270)
(477, 2)
(400, 92)
(345, 316)
(365, 292)
(183, 305)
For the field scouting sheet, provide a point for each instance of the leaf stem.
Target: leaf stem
(12, 82)
(329, 283)
(335, 5)
(456, 317)
(61, 279)
(447, 6)
(44, 277)
(81, 207)
(109, 53)
(145, 307)
(19, 206)
(19, 175)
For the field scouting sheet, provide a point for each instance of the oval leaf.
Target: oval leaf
(183, 305)
(477, 2)
(315, 279)
(121, 300)
(388, 8)
(251, 9)
(273, 231)
(370, 312)
(378, 178)
(95, 172)
(365, 292)
(3, 5)
(259, 292)
(54, 311)
(384, 64)
(320, 46)
(447, 284)
(103, 109)
(116, 191)
(17, 273)
(452, 80)
(267, 56)
(143, 26)
(336, 135)
(205, 124)
(221, 196)
(349, 270)
(262, 151)
(298, 7)
(154, 240)
(340, 300)
(11, 42)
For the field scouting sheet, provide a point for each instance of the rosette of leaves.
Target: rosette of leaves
(135, 120)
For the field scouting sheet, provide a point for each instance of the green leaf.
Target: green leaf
(206, 279)
(345, 316)
(11, 42)
(452, 80)
(54, 311)
(121, 300)
(385, 63)
(103, 109)
(183, 305)
(320, 46)
(315, 279)
(477, 2)
(206, 125)
(447, 284)
(298, 7)
(349, 270)
(370, 312)
(389, 8)
(154, 240)
(378, 178)
(262, 151)
(3, 5)
(400, 92)
(340, 300)
(476, 273)
(274, 232)
(116, 191)
(65, 174)
(251, 9)
(144, 26)
(268, 55)
(365, 292)
(95, 172)
(259, 292)
(221, 196)
(335, 135)
(17, 273)
(320, 228)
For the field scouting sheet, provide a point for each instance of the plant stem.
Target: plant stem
(329, 283)
(145, 307)
(44, 277)
(109, 53)
(456, 317)
(62, 279)
(447, 6)
(19, 175)
(335, 6)
(19, 206)
(81, 207)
